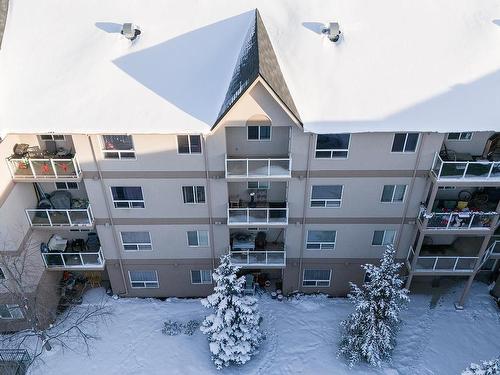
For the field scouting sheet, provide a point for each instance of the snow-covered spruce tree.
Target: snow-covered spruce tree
(233, 329)
(485, 368)
(369, 333)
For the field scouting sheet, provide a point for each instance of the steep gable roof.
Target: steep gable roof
(257, 58)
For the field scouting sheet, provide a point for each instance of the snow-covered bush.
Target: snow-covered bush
(369, 333)
(191, 327)
(233, 329)
(484, 368)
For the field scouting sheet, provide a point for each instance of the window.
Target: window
(332, 145)
(383, 237)
(66, 185)
(329, 196)
(189, 144)
(404, 142)
(393, 193)
(201, 277)
(259, 184)
(143, 279)
(460, 136)
(197, 238)
(321, 239)
(259, 132)
(193, 194)
(127, 196)
(136, 241)
(316, 277)
(10, 311)
(52, 137)
(118, 147)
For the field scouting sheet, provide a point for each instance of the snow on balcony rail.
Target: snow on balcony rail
(465, 170)
(44, 169)
(462, 220)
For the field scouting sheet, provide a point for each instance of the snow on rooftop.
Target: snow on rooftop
(401, 64)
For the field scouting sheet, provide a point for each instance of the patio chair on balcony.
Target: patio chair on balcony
(249, 288)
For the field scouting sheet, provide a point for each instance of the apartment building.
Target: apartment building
(298, 201)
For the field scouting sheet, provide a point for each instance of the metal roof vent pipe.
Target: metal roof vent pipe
(332, 31)
(130, 31)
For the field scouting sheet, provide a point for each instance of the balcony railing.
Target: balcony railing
(258, 168)
(55, 217)
(258, 258)
(465, 170)
(442, 263)
(44, 169)
(466, 220)
(257, 216)
(79, 260)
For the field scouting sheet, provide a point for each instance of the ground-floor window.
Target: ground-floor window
(10, 311)
(316, 277)
(144, 279)
(201, 276)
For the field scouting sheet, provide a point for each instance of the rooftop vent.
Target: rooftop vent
(332, 31)
(130, 31)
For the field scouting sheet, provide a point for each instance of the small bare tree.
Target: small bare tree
(28, 285)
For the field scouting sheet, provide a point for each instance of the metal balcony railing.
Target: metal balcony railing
(90, 260)
(445, 264)
(257, 216)
(258, 258)
(44, 169)
(466, 220)
(55, 217)
(465, 170)
(259, 168)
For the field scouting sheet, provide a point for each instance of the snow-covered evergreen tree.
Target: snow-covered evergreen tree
(369, 333)
(485, 368)
(233, 329)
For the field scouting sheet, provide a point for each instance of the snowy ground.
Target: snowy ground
(302, 337)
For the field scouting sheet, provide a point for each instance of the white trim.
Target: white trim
(404, 144)
(326, 200)
(316, 281)
(66, 183)
(137, 244)
(194, 194)
(321, 243)
(393, 192)
(129, 202)
(459, 137)
(259, 139)
(52, 137)
(104, 151)
(198, 238)
(333, 149)
(189, 142)
(202, 282)
(157, 282)
(383, 236)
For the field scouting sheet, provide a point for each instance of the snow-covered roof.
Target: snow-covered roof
(400, 65)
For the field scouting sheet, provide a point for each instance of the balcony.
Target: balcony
(461, 221)
(74, 261)
(465, 170)
(258, 168)
(52, 163)
(258, 258)
(55, 217)
(442, 263)
(269, 214)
